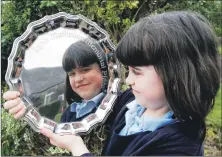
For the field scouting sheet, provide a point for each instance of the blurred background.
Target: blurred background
(17, 138)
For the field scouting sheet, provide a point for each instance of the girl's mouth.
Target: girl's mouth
(135, 91)
(82, 85)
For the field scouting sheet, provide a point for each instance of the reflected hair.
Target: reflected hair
(182, 47)
(78, 54)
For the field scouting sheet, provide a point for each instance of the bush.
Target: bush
(18, 139)
(213, 145)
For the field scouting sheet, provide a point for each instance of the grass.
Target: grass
(58, 117)
(214, 118)
(220, 49)
(212, 146)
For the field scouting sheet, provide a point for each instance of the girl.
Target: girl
(174, 77)
(85, 84)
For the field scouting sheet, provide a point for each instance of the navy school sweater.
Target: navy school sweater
(176, 139)
(170, 140)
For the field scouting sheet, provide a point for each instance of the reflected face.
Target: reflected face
(147, 86)
(86, 81)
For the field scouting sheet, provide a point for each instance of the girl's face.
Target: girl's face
(147, 87)
(86, 81)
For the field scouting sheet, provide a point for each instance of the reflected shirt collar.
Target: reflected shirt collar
(85, 107)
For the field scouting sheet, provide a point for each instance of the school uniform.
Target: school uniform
(79, 110)
(169, 138)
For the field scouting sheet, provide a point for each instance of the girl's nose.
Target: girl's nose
(130, 79)
(78, 78)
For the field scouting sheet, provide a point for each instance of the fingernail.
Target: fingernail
(18, 94)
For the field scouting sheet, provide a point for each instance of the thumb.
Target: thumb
(53, 142)
(48, 133)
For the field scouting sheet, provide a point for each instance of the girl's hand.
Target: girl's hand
(14, 104)
(72, 143)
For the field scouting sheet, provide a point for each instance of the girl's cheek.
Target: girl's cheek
(99, 82)
(141, 83)
(72, 83)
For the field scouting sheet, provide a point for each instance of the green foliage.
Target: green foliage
(115, 17)
(4, 89)
(220, 49)
(48, 4)
(15, 136)
(110, 16)
(107, 14)
(213, 145)
(18, 139)
(56, 150)
(211, 9)
(10, 133)
(214, 118)
(16, 15)
(95, 140)
(15, 18)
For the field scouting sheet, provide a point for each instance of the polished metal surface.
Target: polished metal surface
(35, 70)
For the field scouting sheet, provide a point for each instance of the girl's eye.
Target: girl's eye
(135, 72)
(85, 70)
(71, 74)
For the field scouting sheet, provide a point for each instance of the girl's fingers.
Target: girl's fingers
(47, 133)
(20, 113)
(53, 142)
(16, 109)
(52, 137)
(11, 103)
(9, 95)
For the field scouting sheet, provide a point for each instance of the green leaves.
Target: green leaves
(115, 17)
(10, 130)
(18, 139)
(211, 9)
(48, 4)
(111, 15)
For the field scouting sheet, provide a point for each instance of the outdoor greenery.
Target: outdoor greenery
(115, 17)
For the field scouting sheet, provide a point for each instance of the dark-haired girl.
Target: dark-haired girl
(85, 84)
(174, 77)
